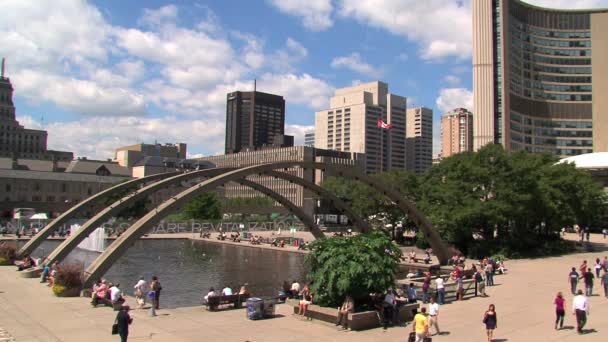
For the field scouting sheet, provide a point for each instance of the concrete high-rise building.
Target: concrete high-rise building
(351, 125)
(456, 132)
(309, 139)
(128, 156)
(419, 140)
(539, 77)
(17, 141)
(253, 120)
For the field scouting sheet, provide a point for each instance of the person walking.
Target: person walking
(489, 274)
(123, 320)
(580, 308)
(491, 321)
(156, 287)
(588, 277)
(421, 325)
(560, 310)
(440, 290)
(481, 285)
(434, 316)
(604, 282)
(140, 290)
(597, 267)
(573, 278)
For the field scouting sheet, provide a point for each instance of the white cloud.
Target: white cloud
(157, 17)
(298, 132)
(80, 96)
(452, 80)
(355, 63)
(315, 14)
(285, 58)
(98, 137)
(298, 89)
(442, 28)
(450, 98)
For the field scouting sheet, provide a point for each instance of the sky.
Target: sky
(100, 74)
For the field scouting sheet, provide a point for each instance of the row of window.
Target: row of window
(556, 34)
(556, 69)
(558, 97)
(560, 61)
(559, 43)
(556, 151)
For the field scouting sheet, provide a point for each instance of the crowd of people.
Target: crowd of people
(580, 302)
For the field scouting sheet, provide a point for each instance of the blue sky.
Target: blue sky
(100, 74)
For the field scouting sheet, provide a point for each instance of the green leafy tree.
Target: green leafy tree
(206, 206)
(358, 266)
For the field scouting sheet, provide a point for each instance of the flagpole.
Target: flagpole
(381, 148)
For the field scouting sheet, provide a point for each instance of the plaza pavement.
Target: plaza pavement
(523, 299)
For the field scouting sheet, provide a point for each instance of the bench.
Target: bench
(214, 302)
(356, 320)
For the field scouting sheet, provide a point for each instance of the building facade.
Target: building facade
(309, 139)
(253, 120)
(456, 132)
(54, 186)
(351, 124)
(419, 140)
(128, 156)
(293, 192)
(17, 141)
(539, 77)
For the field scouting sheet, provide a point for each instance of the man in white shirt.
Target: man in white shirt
(434, 315)
(227, 291)
(580, 308)
(140, 292)
(440, 290)
(116, 294)
(389, 304)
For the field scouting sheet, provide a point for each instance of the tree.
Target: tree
(368, 203)
(515, 203)
(203, 207)
(358, 266)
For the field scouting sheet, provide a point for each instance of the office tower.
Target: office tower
(419, 140)
(539, 77)
(456, 132)
(253, 120)
(352, 124)
(309, 139)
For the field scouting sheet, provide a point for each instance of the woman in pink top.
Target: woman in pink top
(560, 310)
(101, 293)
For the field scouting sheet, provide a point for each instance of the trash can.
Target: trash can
(255, 308)
(269, 307)
(296, 242)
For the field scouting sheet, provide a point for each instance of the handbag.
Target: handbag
(115, 328)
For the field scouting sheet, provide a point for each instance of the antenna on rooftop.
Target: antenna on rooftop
(254, 80)
(3, 61)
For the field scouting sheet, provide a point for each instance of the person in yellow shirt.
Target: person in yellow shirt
(421, 325)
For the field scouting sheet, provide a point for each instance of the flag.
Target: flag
(384, 125)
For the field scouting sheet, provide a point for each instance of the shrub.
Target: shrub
(59, 290)
(8, 252)
(358, 266)
(69, 276)
(5, 261)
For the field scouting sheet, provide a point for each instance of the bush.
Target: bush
(4, 261)
(59, 290)
(358, 266)
(70, 276)
(8, 252)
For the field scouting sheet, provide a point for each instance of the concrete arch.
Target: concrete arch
(69, 244)
(104, 261)
(42, 235)
(62, 251)
(338, 203)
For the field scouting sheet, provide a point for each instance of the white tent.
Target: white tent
(40, 216)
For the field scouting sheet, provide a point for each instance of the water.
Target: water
(186, 269)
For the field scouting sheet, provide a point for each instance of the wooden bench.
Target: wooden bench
(214, 302)
(356, 320)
